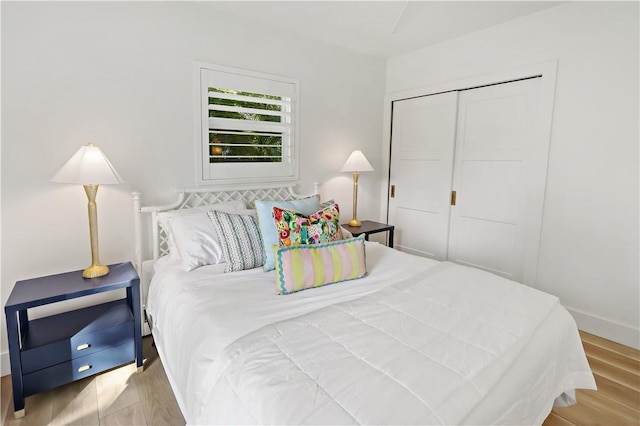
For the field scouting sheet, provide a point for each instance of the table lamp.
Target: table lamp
(90, 167)
(356, 163)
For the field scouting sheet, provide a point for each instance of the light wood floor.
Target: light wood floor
(122, 397)
(616, 369)
(117, 397)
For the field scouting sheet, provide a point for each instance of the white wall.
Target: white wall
(120, 74)
(589, 247)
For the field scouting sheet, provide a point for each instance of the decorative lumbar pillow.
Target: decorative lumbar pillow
(268, 228)
(165, 219)
(240, 240)
(314, 265)
(296, 228)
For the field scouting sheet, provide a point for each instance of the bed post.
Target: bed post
(137, 231)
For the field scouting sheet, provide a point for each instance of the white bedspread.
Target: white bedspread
(443, 344)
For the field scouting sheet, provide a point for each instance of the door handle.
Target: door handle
(393, 191)
(453, 198)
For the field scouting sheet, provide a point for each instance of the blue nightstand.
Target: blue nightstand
(58, 349)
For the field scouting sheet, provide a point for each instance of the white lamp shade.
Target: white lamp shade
(88, 166)
(357, 162)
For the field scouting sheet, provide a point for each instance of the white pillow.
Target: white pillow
(166, 218)
(196, 241)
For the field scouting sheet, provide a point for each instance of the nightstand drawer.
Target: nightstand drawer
(79, 368)
(77, 346)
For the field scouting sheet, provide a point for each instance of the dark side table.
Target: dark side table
(369, 227)
(58, 349)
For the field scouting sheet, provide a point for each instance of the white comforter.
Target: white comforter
(443, 344)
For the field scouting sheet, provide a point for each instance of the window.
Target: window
(248, 126)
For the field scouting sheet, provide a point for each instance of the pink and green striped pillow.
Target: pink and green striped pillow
(313, 265)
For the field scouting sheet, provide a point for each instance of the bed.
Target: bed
(413, 341)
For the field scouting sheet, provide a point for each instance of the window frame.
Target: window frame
(240, 172)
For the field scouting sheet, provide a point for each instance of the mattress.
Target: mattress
(199, 317)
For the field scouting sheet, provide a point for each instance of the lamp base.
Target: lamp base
(355, 223)
(95, 271)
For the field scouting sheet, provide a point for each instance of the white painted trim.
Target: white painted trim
(547, 70)
(498, 76)
(236, 173)
(618, 332)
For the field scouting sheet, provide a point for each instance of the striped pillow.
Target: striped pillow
(240, 240)
(313, 265)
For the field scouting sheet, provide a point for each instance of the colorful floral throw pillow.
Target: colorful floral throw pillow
(294, 228)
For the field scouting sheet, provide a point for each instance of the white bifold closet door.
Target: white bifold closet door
(482, 143)
(422, 146)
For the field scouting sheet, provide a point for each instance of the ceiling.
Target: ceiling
(381, 28)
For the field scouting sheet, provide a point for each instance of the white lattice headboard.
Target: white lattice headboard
(190, 198)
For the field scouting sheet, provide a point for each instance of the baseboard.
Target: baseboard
(608, 329)
(5, 367)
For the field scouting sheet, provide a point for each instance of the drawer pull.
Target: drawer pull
(84, 368)
(83, 346)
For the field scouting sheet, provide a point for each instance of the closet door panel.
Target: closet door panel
(415, 239)
(495, 136)
(417, 185)
(423, 136)
(485, 119)
(490, 190)
(489, 240)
